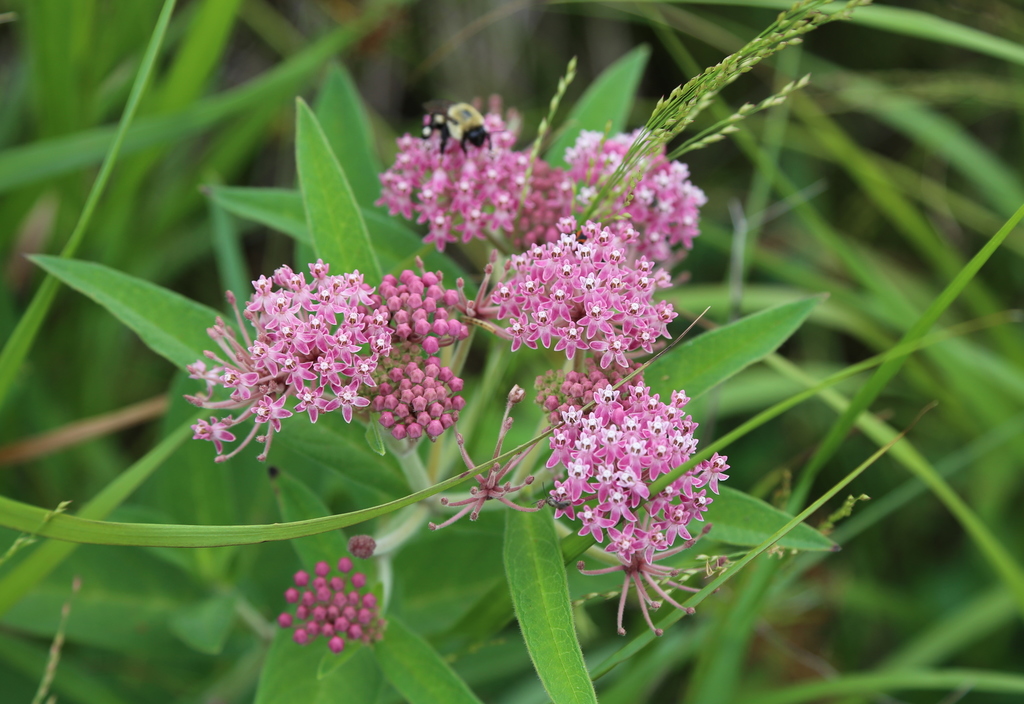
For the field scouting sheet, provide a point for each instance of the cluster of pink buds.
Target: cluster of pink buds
(611, 455)
(414, 394)
(315, 341)
(583, 293)
(485, 192)
(335, 607)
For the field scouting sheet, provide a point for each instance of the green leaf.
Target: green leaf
(608, 100)
(18, 344)
(228, 253)
(330, 661)
(297, 502)
(339, 107)
(289, 675)
(330, 439)
(205, 626)
(540, 594)
(415, 669)
(334, 219)
(871, 684)
(373, 438)
(171, 325)
(701, 364)
(740, 519)
(279, 209)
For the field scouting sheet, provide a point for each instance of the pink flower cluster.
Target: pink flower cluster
(461, 194)
(332, 607)
(414, 394)
(665, 207)
(479, 192)
(315, 341)
(335, 344)
(583, 293)
(613, 453)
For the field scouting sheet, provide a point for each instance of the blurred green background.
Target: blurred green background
(875, 184)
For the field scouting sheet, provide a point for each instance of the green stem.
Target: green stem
(407, 526)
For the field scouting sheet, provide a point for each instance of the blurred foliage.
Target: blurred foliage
(875, 184)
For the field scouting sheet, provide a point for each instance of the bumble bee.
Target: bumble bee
(460, 121)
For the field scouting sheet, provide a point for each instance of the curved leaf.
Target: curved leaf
(416, 670)
(706, 361)
(289, 675)
(540, 594)
(171, 325)
(334, 218)
(608, 100)
(741, 519)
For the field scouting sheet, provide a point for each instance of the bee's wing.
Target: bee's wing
(437, 107)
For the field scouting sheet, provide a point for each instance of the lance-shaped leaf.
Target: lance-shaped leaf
(540, 594)
(702, 363)
(416, 670)
(741, 519)
(606, 102)
(333, 216)
(171, 325)
(290, 674)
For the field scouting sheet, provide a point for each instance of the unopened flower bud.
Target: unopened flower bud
(362, 546)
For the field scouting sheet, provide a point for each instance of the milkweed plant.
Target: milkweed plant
(482, 346)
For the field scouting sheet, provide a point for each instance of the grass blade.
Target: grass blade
(20, 341)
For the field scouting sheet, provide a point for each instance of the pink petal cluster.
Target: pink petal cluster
(665, 207)
(462, 194)
(315, 341)
(336, 608)
(414, 394)
(583, 293)
(478, 193)
(612, 454)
